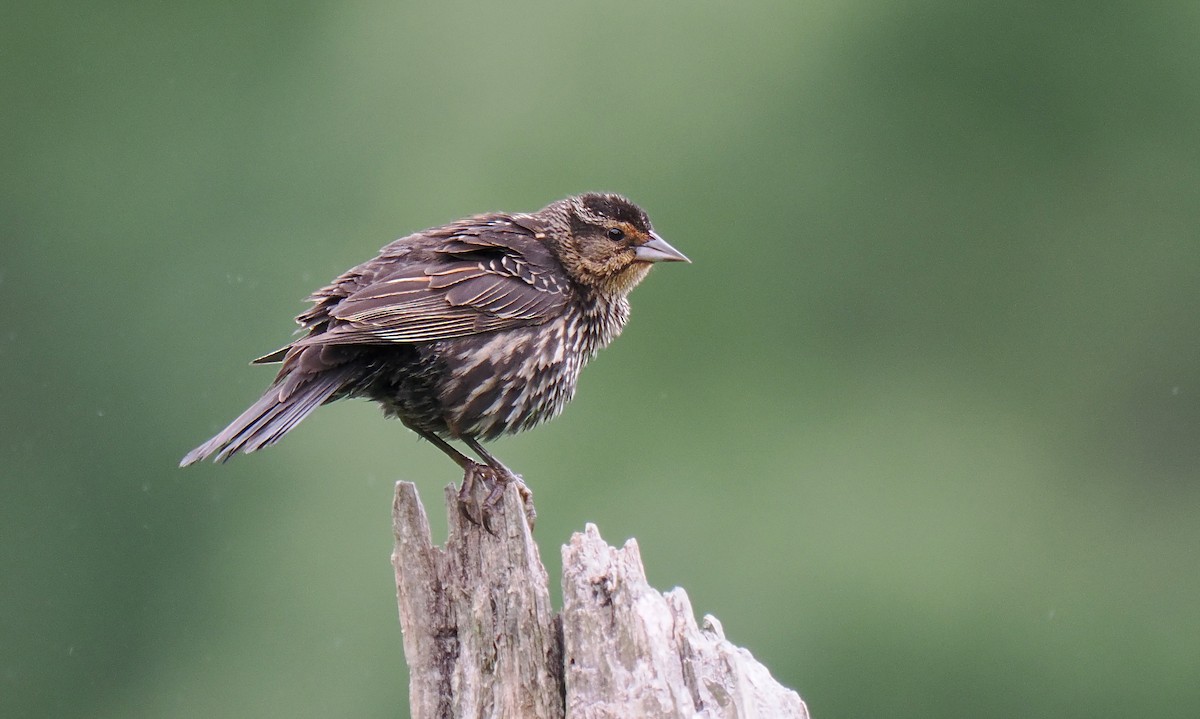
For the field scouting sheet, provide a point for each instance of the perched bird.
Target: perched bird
(467, 331)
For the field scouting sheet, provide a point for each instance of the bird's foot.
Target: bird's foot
(475, 511)
(494, 481)
(496, 496)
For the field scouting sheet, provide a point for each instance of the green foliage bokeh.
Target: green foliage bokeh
(919, 425)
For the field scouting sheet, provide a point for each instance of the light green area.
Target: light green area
(920, 425)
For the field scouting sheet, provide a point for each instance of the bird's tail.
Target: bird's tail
(288, 400)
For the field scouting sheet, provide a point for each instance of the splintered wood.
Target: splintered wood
(481, 639)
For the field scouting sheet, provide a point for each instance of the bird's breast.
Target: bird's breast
(511, 380)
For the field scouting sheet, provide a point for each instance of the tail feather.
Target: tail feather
(275, 414)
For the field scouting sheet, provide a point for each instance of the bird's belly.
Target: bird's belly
(508, 381)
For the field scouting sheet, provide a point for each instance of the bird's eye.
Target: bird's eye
(616, 234)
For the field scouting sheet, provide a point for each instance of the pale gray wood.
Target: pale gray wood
(480, 638)
(631, 651)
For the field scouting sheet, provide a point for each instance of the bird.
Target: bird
(464, 332)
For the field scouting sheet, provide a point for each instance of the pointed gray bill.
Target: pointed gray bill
(657, 250)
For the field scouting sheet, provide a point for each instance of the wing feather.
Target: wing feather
(476, 281)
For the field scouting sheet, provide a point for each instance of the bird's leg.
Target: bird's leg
(504, 477)
(490, 458)
(473, 471)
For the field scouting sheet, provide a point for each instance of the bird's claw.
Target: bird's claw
(471, 508)
(495, 481)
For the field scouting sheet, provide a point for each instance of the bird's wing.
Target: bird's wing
(476, 282)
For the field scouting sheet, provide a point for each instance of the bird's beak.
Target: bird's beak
(657, 250)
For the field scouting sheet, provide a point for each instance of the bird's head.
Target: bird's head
(606, 242)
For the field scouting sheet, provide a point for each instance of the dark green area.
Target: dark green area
(921, 425)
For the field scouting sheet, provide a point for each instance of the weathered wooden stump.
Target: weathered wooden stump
(481, 639)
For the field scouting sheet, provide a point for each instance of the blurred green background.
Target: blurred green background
(920, 424)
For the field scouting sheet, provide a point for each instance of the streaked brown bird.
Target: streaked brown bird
(468, 331)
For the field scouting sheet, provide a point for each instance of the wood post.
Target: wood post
(481, 639)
